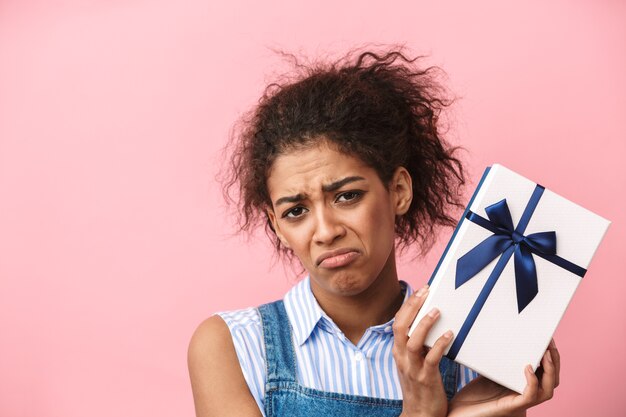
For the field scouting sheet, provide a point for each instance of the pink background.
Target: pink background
(113, 238)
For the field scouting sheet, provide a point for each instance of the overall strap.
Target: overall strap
(279, 354)
(449, 373)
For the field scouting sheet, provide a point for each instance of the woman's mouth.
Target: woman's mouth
(339, 260)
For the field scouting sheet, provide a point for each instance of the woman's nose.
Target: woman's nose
(327, 227)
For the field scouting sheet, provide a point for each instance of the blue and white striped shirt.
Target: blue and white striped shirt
(326, 359)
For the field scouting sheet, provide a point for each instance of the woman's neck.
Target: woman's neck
(375, 305)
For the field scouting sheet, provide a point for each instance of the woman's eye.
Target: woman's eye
(348, 196)
(294, 212)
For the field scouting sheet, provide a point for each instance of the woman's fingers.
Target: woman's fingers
(556, 359)
(538, 390)
(405, 316)
(416, 341)
(529, 396)
(548, 379)
(436, 352)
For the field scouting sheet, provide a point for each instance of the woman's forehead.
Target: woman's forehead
(311, 168)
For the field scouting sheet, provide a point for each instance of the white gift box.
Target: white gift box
(491, 335)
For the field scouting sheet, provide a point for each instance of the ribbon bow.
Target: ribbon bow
(505, 236)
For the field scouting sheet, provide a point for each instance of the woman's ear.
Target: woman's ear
(402, 189)
(272, 218)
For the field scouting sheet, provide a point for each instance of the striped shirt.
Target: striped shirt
(326, 359)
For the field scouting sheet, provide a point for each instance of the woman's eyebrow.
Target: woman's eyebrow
(333, 186)
(289, 199)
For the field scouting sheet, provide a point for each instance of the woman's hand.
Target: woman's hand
(485, 398)
(418, 368)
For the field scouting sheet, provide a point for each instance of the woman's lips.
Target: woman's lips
(338, 261)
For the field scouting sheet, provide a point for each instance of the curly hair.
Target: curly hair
(382, 108)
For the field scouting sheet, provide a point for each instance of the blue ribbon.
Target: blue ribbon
(505, 242)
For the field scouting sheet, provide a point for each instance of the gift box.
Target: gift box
(508, 274)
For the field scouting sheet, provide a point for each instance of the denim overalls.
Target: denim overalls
(284, 396)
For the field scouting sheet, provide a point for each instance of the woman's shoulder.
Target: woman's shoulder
(246, 331)
(228, 329)
(214, 367)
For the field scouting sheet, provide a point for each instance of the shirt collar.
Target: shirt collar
(305, 313)
(303, 310)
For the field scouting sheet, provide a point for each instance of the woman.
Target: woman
(345, 166)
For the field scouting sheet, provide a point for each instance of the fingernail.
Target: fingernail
(549, 356)
(434, 312)
(552, 344)
(422, 291)
(448, 334)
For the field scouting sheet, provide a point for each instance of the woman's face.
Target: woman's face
(336, 215)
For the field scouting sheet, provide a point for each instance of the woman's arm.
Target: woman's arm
(218, 385)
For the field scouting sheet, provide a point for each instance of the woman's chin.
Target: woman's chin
(345, 283)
